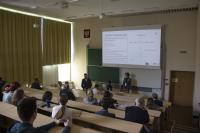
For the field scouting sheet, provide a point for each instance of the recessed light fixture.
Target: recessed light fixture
(71, 17)
(89, 15)
(128, 11)
(71, 1)
(33, 7)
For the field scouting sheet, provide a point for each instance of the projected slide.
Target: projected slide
(134, 48)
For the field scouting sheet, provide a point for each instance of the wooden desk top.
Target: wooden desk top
(119, 125)
(10, 111)
(107, 122)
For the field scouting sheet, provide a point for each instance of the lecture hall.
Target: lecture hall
(99, 66)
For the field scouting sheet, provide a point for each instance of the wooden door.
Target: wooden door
(181, 88)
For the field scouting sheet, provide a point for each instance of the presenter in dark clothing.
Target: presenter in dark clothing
(109, 86)
(126, 82)
(86, 83)
(27, 111)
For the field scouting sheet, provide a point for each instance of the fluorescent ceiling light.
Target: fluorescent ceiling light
(33, 14)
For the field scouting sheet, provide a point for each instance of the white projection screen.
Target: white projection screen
(132, 47)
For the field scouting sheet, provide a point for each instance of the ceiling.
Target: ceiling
(75, 9)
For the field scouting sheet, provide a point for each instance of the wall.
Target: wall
(180, 34)
(50, 74)
(196, 100)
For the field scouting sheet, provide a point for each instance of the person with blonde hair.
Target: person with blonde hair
(17, 96)
(61, 111)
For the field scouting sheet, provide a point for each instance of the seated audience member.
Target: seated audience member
(109, 86)
(108, 97)
(27, 112)
(1, 95)
(36, 84)
(90, 98)
(17, 96)
(104, 111)
(151, 105)
(126, 82)
(66, 91)
(46, 98)
(9, 90)
(156, 101)
(60, 84)
(6, 93)
(2, 83)
(95, 90)
(86, 83)
(137, 113)
(61, 111)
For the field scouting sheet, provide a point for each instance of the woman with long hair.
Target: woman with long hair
(17, 96)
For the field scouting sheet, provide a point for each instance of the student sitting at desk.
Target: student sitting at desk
(60, 84)
(151, 105)
(61, 111)
(27, 112)
(2, 83)
(1, 95)
(9, 90)
(66, 91)
(108, 97)
(156, 101)
(17, 96)
(46, 98)
(137, 113)
(95, 90)
(90, 98)
(104, 111)
(36, 84)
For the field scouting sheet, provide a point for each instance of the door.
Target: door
(181, 88)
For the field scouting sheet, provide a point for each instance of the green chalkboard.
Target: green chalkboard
(95, 69)
(95, 57)
(103, 74)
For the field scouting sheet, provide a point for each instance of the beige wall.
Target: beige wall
(196, 99)
(180, 34)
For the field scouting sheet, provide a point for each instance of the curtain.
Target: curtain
(20, 47)
(56, 42)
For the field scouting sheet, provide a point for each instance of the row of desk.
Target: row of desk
(86, 107)
(124, 99)
(110, 124)
(9, 111)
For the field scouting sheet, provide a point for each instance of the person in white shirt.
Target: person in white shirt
(95, 90)
(7, 96)
(89, 99)
(61, 111)
(9, 90)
